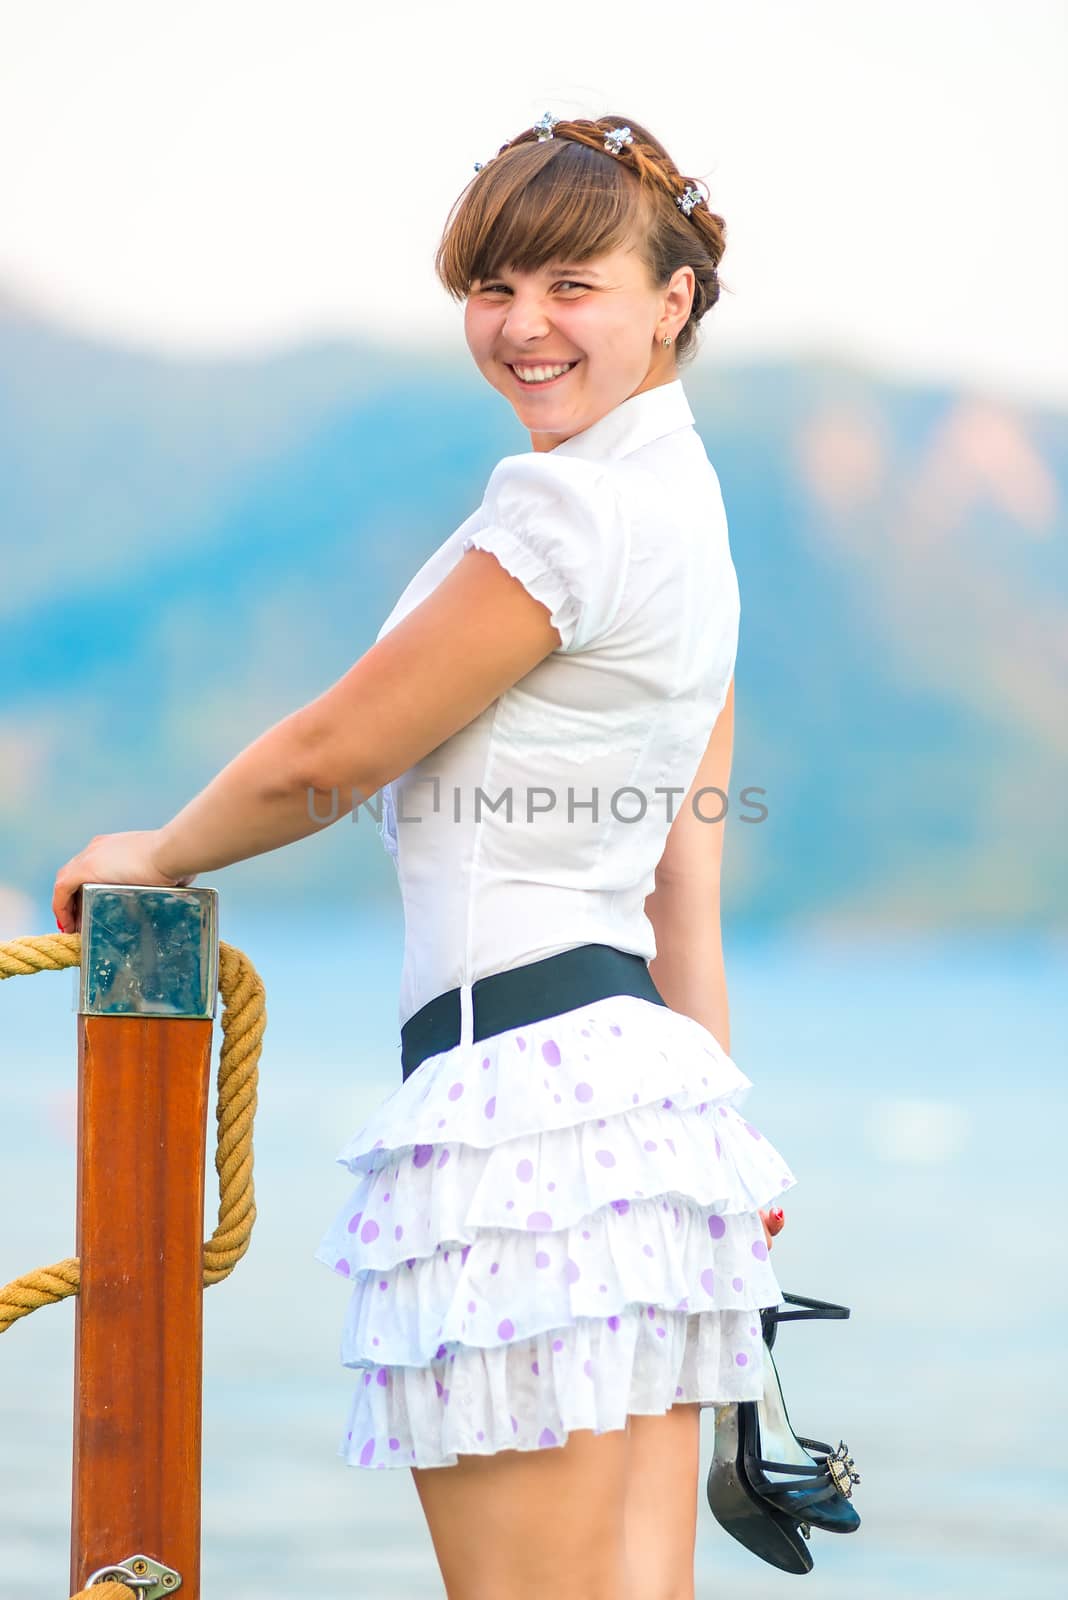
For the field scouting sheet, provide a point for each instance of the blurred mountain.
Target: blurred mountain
(189, 550)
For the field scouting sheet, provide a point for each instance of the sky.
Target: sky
(230, 176)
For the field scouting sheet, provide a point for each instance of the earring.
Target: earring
(666, 340)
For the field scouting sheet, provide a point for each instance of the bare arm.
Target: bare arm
(684, 906)
(479, 632)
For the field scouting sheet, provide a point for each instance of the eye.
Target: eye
(571, 283)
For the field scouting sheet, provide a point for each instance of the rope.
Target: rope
(244, 1019)
(109, 1590)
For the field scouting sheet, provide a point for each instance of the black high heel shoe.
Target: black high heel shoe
(772, 1518)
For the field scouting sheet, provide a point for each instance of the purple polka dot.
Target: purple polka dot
(557, 1098)
(736, 1283)
(485, 1068)
(515, 1425)
(741, 1359)
(366, 1379)
(369, 1231)
(480, 1436)
(455, 1091)
(661, 1332)
(443, 1158)
(421, 1154)
(383, 1377)
(708, 1280)
(542, 1259)
(650, 1144)
(524, 1170)
(622, 1206)
(723, 1111)
(471, 1306)
(506, 1329)
(491, 1106)
(394, 1444)
(496, 1267)
(719, 1147)
(551, 1051)
(383, 1284)
(671, 1146)
(647, 1249)
(385, 1198)
(678, 1391)
(667, 1105)
(571, 1272)
(587, 1367)
(354, 1222)
(464, 1253)
(717, 1227)
(753, 1332)
(535, 1369)
(584, 1091)
(760, 1250)
(441, 1124)
(602, 1123)
(546, 1438)
(585, 1233)
(366, 1453)
(558, 1344)
(439, 1352)
(613, 1323)
(551, 1187)
(343, 1267)
(606, 1158)
(750, 1129)
(520, 1041)
(615, 1028)
(539, 1219)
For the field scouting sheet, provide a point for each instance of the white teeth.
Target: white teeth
(542, 374)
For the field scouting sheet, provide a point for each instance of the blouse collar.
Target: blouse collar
(633, 423)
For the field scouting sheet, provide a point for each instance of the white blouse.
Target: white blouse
(539, 825)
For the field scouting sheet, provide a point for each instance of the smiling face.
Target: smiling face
(567, 342)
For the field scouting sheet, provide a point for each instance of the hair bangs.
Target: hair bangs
(534, 204)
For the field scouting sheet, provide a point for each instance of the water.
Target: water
(917, 1090)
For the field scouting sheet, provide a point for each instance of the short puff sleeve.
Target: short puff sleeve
(556, 524)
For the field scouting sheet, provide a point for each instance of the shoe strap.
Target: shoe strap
(771, 1316)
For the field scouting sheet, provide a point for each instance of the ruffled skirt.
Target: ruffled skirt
(551, 1229)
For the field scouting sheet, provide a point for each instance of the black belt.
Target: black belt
(526, 994)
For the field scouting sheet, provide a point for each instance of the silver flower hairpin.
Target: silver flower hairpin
(689, 198)
(616, 138)
(545, 125)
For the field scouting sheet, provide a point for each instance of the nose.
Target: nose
(526, 319)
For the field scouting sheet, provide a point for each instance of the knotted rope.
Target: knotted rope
(244, 1019)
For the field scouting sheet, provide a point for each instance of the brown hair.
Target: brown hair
(568, 198)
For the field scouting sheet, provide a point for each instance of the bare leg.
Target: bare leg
(526, 1524)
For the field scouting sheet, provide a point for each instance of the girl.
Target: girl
(558, 1240)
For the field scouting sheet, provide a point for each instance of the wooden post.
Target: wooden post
(149, 976)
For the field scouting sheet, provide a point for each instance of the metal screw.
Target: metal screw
(139, 1566)
(167, 1580)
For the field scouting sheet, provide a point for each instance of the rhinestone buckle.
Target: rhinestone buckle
(689, 198)
(616, 138)
(545, 125)
(840, 1466)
